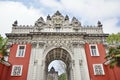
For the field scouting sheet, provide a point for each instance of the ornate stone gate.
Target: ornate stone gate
(58, 47)
(57, 38)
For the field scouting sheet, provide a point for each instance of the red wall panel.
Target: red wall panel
(19, 61)
(95, 60)
(3, 71)
(110, 74)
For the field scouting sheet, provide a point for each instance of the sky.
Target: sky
(58, 65)
(88, 12)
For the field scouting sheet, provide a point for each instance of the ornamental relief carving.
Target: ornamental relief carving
(58, 44)
(57, 38)
(59, 41)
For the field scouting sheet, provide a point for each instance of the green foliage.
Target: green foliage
(113, 38)
(114, 56)
(114, 52)
(62, 77)
(3, 48)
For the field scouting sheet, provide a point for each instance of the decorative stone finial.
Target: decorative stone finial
(74, 19)
(66, 17)
(48, 17)
(15, 23)
(99, 24)
(57, 13)
(41, 19)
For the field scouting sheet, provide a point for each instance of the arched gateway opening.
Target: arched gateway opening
(59, 54)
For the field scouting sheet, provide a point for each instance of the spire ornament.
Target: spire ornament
(15, 23)
(48, 17)
(99, 24)
(66, 17)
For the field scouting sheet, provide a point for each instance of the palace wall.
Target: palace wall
(86, 45)
(110, 74)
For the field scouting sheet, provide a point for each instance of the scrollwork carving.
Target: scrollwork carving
(34, 44)
(41, 44)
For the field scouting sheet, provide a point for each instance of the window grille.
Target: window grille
(16, 70)
(98, 69)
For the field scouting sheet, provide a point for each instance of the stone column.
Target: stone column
(32, 64)
(76, 67)
(83, 64)
(81, 67)
(36, 63)
(40, 61)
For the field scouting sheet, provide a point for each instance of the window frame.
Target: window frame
(97, 52)
(13, 70)
(101, 65)
(18, 49)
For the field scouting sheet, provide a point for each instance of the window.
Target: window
(98, 69)
(21, 51)
(16, 70)
(94, 50)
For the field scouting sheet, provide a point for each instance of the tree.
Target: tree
(114, 39)
(113, 55)
(3, 47)
(63, 76)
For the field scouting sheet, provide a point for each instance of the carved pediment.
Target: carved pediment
(57, 18)
(57, 14)
(40, 23)
(75, 23)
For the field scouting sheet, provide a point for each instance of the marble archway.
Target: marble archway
(59, 54)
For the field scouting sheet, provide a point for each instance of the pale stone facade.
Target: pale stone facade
(57, 38)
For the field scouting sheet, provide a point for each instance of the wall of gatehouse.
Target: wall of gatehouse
(58, 31)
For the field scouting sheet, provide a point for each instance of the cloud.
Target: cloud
(90, 11)
(110, 26)
(11, 11)
(87, 11)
